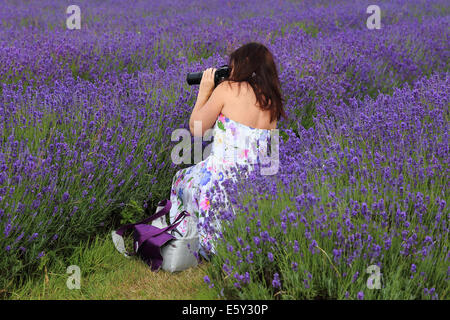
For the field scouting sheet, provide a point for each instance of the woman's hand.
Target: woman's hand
(207, 82)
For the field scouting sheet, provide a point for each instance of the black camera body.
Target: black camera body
(221, 74)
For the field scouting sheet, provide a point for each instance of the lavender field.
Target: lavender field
(86, 118)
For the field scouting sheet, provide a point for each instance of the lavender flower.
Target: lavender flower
(276, 281)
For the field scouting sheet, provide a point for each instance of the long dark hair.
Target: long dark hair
(254, 63)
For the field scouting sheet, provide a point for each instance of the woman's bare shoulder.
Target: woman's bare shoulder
(229, 83)
(236, 87)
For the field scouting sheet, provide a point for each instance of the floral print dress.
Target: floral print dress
(194, 189)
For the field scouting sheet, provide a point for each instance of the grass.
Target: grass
(106, 274)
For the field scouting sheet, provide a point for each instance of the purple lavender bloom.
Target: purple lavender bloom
(276, 281)
(7, 230)
(312, 246)
(296, 246)
(246, 278)
(355, 276)
(306, 283)
(33, 236)
(19, 237)
(308, 235)
(65, 196)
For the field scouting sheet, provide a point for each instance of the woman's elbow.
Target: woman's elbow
(192, 130)
(191, 125)
(196, 128)
(196, 132)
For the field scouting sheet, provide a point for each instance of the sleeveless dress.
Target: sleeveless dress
(197, 189)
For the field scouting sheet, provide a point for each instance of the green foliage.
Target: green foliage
(132, 212)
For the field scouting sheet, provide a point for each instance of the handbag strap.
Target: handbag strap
(165, 208)
(138, 244)
(117, 235)
(165, 204)
(173, 225)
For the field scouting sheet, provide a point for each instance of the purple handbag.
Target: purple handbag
(148, 239)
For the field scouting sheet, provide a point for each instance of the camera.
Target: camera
(221, 74)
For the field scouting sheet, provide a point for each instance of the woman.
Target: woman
(242, 112)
